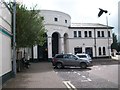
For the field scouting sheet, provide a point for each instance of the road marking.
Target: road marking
(75, 72)
(69, 85)
(89, 79)
(78, 73)
(83, 76)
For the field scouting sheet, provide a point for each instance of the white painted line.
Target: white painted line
(73, 87)
(79, 74)
(69, 85)
(75, 72)
(83, 76)
(66, 84)
(84, 80)
(89, 79)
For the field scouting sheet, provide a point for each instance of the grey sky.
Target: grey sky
(81, 11)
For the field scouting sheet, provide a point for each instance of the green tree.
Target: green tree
(30, 29)
(115, 43)
(118, 47)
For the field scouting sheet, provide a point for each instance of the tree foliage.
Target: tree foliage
(29, 27)
(115, 43)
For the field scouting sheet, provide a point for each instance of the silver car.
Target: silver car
(61, 60)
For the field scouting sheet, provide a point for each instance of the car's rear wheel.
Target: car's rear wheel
(83, 65)
(59, 65)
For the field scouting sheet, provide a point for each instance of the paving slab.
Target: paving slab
(39, 75)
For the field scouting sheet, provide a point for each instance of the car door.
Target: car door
(74, 60)
(70, 60)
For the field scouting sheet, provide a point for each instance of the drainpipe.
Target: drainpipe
(14, 38)
(95, 43)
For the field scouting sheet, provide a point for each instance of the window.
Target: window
(59, 56)
(104, 52)
(79, 33)
(55, 19)
(90, 34)
(102, 33)
(85, 33)
(77, 50)
(65, 21)
(109, 34)
(98, 33)
(99, 50)
(75, 33)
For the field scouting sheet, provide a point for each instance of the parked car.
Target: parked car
(62, 60)
(84, 56)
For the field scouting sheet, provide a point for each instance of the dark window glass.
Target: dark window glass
(65, 21)
(102, 33)
(109, 34)
(85, 33)
(99, 50)
(82, 56)
(104, 52)
(90, 34)
(79, 33)
(98, 33)
(59, 56)
(77, 50)
(55, 19)
(75, 33)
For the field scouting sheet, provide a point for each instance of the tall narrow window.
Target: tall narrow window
(109, 34)
(65, 21)
(90, 34)
(55, 19)
(104, 52)
(85, 33)
(98, 33)
(99, 50)
(75, 33)
(79, 33)
(102, 33)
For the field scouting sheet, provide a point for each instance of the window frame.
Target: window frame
(75, 34)
(55, 19)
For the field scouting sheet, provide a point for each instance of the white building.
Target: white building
(66, 37)
(5, 43)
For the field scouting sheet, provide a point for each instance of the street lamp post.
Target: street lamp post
(14, 38)
(108, 36)
(99, 14)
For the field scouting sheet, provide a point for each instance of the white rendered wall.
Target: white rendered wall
(5, 40)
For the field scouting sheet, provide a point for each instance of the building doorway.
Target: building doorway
(55, 43)
(43, 51)
(89, 50)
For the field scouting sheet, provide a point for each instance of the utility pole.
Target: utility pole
(108, 36)
(14, 38)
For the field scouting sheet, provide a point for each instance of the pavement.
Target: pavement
(39, 75)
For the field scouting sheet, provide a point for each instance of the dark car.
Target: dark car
(61, 60)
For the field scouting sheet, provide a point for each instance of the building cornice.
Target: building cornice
(90, 27)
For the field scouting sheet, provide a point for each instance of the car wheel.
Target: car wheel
(59, 65)
(83, 65)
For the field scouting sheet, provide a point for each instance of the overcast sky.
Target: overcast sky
(81, 11)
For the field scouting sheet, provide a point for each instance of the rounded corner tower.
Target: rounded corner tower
(58, 18)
